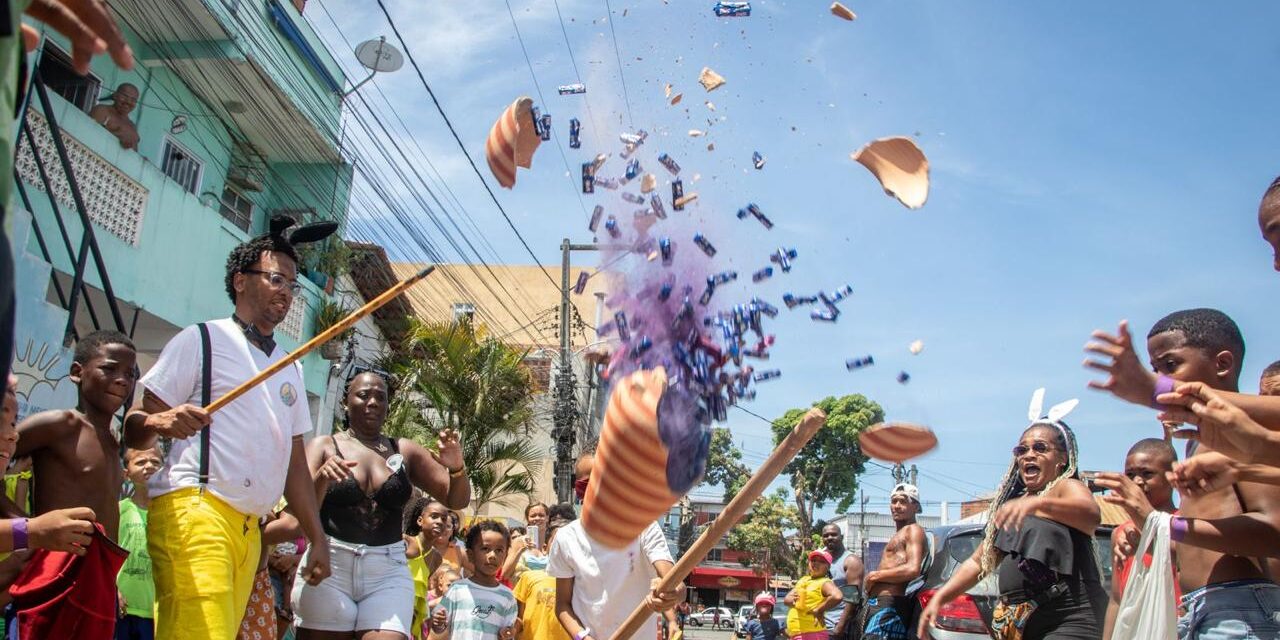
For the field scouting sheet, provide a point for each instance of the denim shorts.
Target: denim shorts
(1239, 610)
(369, 589)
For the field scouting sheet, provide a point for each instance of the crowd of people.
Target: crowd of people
(183, 523)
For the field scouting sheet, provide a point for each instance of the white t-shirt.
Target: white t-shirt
(251, 439)
(608, 583)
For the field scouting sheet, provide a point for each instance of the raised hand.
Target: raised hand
(1205, 473)
(1126, 494)
(89, 26)
(449, 454)
(1223, 426)
(1127, 378)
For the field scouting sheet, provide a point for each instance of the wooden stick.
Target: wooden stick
(732, 513)
(325, 336)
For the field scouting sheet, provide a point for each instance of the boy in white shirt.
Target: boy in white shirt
(597, 587)
(479, 607)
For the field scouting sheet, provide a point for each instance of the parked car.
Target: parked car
(969, 616)
(747, 612)
(707, 617)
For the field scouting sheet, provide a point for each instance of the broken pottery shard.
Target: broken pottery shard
(840, 11)
(648, 183)
(675, 100)
(709, 79)
(668, 90)
(683, 200)
(901, 168)
(696, 133)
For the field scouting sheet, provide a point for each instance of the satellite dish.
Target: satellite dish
(379, 56)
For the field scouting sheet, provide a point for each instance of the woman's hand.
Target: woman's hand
(927, 617)
(335, 469)
(450, 451)
(1011, 514)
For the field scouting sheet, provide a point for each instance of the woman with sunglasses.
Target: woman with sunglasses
(364, 479)
(1038, 543)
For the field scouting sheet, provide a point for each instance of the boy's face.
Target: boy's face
(141, 464)
(106, 380)
(1147, 471)
(764, 611)
(1172, 356)
(489, 552)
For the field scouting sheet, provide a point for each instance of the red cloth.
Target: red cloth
(1122, 572)
(62, 595)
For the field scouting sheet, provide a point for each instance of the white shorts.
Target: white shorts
(369, 589)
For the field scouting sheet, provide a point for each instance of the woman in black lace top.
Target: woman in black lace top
(364, 479)
(1038, 543)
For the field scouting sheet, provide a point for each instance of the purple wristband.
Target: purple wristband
(1164, 384)
(1177, 528)
(19, 530)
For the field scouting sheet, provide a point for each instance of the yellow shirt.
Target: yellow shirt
(537, 592)
(800, 618)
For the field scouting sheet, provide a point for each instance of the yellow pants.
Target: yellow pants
(204, 555)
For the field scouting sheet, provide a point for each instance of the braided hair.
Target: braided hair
(1012, 487)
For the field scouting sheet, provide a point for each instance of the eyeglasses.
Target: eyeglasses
(1037, 446)
(278, 280)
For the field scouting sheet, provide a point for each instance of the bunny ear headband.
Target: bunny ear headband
(1056, 413)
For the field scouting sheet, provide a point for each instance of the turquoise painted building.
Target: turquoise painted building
(238, 118)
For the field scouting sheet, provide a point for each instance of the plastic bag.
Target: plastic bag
(1146, 608)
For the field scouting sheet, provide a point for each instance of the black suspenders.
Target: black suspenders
(206, 393)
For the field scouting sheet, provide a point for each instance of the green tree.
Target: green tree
(827, 469)
(453, 376)
(762, 534)
(724, 464)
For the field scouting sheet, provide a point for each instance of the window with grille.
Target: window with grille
(236, 208)
(181, 165)
(60, 78)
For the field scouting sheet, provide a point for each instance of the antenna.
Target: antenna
(377, 56)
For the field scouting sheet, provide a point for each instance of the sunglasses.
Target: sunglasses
(1037, 446)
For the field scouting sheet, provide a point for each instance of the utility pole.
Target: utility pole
(862, 526)
(565, 415)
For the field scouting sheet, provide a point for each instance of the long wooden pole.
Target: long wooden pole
(732, 513)
(325, 336)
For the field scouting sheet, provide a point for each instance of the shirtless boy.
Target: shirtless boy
(1220, 534)
(76, 459)
(888, 610)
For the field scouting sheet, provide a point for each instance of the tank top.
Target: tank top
(800, 618)
(351, 515)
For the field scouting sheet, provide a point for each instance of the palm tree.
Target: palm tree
(453, 376)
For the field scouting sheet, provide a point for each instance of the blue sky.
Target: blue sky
(1090, 162)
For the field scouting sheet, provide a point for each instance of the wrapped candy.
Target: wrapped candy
(611, 225)
(633, 169)
(757, 160)
(792, 301)
(544, 127)
(664, 245)
(620, 321)
(572, 89)
(581, 285)
(904, 377)
(632, 198)
(655, 203)
(767, 375)
(575, 131)
(665, 291)
(666, 161)
(824, 316)
(677, 195)
(783, 258)
(608, 183)
(858, 363)
(755, 212)
(596, 215)
(762, 274)
(724, 277)
(704, 244)
(588, 177)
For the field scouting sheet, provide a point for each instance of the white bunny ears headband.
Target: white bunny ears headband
(1056, 413)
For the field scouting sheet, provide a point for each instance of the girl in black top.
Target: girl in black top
(363, 480)
(1038, 543)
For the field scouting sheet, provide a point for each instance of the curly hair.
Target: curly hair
(1012, 487)
(247, 254)
(478, 528)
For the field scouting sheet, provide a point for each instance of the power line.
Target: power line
(413, 61)
(621, 74)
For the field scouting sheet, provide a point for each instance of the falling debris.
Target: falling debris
(668, 90)
(648, 183)
(916, 347)
(696, 133)
(901, 168)
(840, 11)
(512, 141)
(572, 89)
(904, 377)
(709, 79)
(739, 9)
(710, 105)
(757, 160)
(675, 100)
(897, 441)
(683, 200)
(711, 146)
